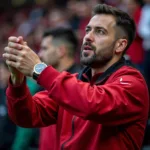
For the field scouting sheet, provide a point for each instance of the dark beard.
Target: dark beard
(97, 61)
(87, 62)
(94, 63)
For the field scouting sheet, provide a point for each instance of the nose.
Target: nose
(89, 36)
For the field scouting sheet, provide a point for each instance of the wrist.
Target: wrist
(17, 78)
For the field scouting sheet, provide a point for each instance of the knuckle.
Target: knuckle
(24, 53)
(13, 50)
(10, 44)
(6, 48)
(26, 48)
(11, 57)
(18, 65)
(12, 38)
(7, 55)
(19, 46)
(8, 62)
(20, 59)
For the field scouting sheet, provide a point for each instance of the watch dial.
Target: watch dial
(40, 67)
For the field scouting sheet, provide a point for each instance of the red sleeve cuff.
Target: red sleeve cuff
(47, 77)
(17, 91)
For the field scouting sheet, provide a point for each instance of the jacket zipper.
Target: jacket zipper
(72, 128)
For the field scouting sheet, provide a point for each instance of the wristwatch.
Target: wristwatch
(38, 68)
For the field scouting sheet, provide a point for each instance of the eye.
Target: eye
(100, 31)
(87, 30)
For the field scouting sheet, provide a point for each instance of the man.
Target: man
(104, 107)
(58, 48)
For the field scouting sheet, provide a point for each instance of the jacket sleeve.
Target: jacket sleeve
(123, 100)
(27, 111)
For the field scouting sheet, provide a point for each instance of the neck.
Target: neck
(104, 68)
(65, 64)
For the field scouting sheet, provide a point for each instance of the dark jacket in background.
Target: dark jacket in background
(7, 127)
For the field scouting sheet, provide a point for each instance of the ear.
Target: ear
(121, 44)
(61, 50)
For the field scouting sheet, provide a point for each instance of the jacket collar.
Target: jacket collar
(85, 74)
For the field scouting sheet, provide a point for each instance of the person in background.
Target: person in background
(12, 137)
(144, 31)
(58, 48)
(135, 51)
(7, 127)
(105, 106)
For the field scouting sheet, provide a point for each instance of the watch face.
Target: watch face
(39, 68)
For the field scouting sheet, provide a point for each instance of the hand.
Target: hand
(16, 76)
(19, 56)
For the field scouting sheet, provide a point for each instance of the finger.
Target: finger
(25, 43)
(15, 45)
(11, 51)
(12, 64)
(13, 39)
(21, 41)
(11, 57)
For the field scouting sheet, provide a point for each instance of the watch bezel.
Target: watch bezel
(34, 70)
(35, 73)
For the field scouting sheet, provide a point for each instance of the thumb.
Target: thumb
(25, 43)
(20, 40)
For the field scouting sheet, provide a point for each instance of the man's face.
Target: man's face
(99, 41)
(48, 52)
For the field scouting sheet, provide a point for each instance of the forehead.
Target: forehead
(102, 20)
(47, 40)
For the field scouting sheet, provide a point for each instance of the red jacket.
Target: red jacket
(108, 112)
(47, 137)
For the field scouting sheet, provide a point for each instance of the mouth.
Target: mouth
(89, 48)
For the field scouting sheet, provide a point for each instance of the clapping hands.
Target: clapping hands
(19, 57)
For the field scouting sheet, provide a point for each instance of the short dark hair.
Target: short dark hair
(123, 20)
(64, 34)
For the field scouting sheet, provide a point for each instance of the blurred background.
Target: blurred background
(30, 18)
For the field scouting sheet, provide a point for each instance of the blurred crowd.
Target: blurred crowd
(30, 21)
